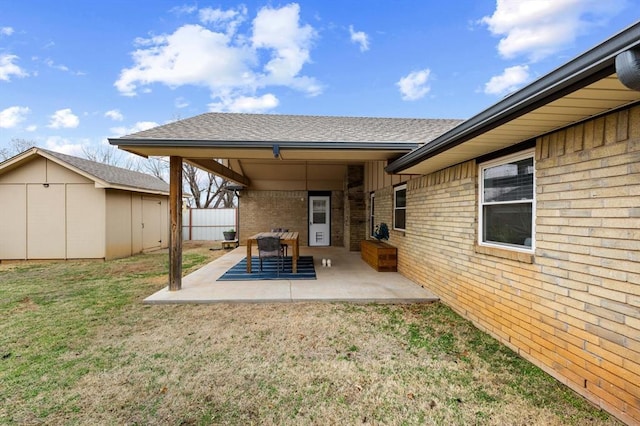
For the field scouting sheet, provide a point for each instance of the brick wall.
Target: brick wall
(337, 219)
(265, 210)
(355, 213)
(573, 308)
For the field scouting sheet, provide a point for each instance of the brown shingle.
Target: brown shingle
(298, 128)
(112, 174)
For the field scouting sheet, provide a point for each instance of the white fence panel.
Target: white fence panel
(207, 224)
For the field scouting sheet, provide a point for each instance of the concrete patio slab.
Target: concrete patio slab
(348, 279)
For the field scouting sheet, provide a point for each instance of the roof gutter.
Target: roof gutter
(587, 68)
(186, 143)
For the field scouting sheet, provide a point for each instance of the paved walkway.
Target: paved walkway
(348, 280)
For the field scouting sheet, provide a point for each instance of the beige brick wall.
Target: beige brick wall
(261, 211)
(355, 212)
(264, 210)
(574, 307)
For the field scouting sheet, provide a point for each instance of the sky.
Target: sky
(74, 72)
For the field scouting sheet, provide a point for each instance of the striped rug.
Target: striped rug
(238, 272)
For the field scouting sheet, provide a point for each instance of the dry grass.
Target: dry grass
(78, 347)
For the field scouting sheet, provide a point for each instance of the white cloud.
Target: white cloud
(360, 38)
(64, 146)
(138, 127)
(31, 128)
(180, 102)
(511, 79)
(114, 114)
(192, 55)
(64, 118)
(51, 64)
(246, 104)
(224, 20)
(415, 85)
(537, 29)
(6, 31)
(183, 10)
(279, 30)
(12, 116)
(229, 62)
(8, 68)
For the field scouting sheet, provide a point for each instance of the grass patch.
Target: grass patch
(77, 346)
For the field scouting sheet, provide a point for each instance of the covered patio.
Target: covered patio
(348, 280)
(303, 173)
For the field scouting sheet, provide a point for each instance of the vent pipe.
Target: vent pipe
(628, 68)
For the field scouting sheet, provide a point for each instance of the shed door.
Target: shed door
(319, 220)
(46, 230)
(151, 223)
(13, 221)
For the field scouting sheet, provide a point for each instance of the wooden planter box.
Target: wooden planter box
(381, 256)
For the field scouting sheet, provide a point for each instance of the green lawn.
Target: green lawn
(77, 346)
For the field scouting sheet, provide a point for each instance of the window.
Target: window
(507, 202)
(372, 216)
(400, 207)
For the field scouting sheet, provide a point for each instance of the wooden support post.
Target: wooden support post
(175, 234)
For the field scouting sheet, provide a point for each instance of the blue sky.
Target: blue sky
(75, 72)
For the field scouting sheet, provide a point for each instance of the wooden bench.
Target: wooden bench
(229, 244)
(380, 256)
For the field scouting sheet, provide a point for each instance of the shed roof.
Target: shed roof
(104, 175)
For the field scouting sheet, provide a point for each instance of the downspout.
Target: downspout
(628, 68)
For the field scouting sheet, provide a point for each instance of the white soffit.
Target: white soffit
(592, 100)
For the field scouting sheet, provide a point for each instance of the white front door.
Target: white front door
(319, 220)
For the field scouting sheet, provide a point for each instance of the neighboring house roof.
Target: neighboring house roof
(581, 89)
(104, 175)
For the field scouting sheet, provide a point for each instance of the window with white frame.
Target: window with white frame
(507, 202)
(400, 207)
(372, 214)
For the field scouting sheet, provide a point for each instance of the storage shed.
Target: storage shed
(56, 206)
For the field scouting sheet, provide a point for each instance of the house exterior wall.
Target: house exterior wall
(337, 218)
(572, 307)
(355, 213)
(264, 210)
(377, 181)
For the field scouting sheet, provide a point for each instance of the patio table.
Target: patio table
(290, 238)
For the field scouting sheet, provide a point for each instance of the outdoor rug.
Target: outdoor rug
(306, 270)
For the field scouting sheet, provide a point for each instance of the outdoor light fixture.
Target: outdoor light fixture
(236, 189)
(276, 151)
(46, 185)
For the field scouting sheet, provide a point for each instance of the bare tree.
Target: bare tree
(107, 154)
(16, 146)
(158, 167)
(208, 190)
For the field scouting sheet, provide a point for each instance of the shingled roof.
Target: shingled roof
(296, 128)
(104, 174)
